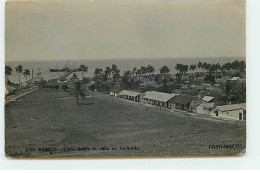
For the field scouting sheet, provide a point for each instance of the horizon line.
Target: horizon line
(124, 58)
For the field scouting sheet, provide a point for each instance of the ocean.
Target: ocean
(43, 66)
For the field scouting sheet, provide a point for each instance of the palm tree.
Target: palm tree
(83, 69)
(115, 72)
(143, 69)
(107, 72)
(77, 91)
(8, 72)
(74, 77)
(150, 70)
(165, 70)
(98, 71)
(193, 67)
(26, 73)
(19, 69)
(200, 65)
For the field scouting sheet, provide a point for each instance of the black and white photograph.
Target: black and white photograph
(125, 79)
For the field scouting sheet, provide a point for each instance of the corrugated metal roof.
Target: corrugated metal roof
(224, 108)
(207, 98)
(234, 78)
(183, 99)
(159, 96)
(129, 93)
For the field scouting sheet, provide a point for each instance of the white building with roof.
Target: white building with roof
(232, 111)
(234, 79)
(208, 99)
(159, 98)
(130, 95)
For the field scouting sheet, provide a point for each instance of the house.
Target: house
(232, 111)
(115, 90)
(34, 81)
(9, 90)
(159, 98)
(208, 99)
(130, 95)
(234, 79)
(182, 102)
(206, 108)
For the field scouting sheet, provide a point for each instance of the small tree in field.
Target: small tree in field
(78, 91)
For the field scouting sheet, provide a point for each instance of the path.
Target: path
(19, 96)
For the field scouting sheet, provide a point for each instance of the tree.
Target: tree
(126, 79)
(77, 91)
(165, 70)
(193, 67)
(150, 70)
(115, 72)
(107, 72)
(83, 69)
(8, 72)
(200, 65)
(74, 77)
(143, 70)
(64, 87)
(227, 66)
(19, 70)
(98, 71)
(182, 68)
(134, 71)
(210, 79)
(26, 73)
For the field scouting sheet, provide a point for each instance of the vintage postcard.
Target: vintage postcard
(125, 78)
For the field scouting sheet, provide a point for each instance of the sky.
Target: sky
(117, 29)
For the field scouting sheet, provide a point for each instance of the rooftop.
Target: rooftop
(129, 93)
(207, 98)
(234, 78)
(231, 107)
(183, 99)
(159, 96)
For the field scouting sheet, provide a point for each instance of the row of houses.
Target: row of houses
(188, 103)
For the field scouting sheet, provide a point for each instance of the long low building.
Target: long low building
(232, 111)
(130, 95)
(182, 102)
(159, 98)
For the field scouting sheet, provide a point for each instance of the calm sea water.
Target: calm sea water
(122, 64)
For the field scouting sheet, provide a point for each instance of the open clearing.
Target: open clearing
(50, 121)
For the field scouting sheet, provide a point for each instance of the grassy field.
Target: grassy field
(50, 124)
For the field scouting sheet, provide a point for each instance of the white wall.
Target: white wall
(231, 114)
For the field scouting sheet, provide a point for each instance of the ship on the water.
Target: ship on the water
(64, 69)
